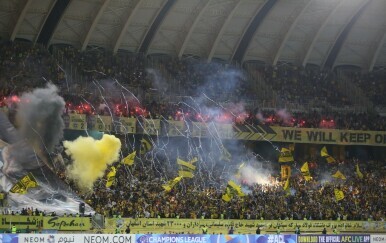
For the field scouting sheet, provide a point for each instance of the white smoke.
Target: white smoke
(251, 175)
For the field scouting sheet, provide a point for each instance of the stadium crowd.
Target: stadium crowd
(21, 61)
(363, 198)
(192, 198)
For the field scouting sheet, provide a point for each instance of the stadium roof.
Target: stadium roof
(326, 33)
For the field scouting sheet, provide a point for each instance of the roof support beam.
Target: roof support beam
(298, 13)
(221, 31)
(94, 24)
(146, 41)
(377, 51)
(52, 21)
(192, 27)
(334, 51)
(248, 35)
(20, 19)
(52, 4)
(320, 30)
(130, 17)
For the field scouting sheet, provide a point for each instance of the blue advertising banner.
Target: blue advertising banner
(346, 238)
(193, 238)
(276, 239)
(9, 238)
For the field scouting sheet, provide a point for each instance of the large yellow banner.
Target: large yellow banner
(228, 131)
(329, 136)
(21, 222)
(245, 226)
(36, 222)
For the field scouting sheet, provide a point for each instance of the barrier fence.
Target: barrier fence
(215, 226)
(189, 238)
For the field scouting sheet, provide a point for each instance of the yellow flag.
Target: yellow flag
(325, 155)
(236, 187)
(170, 184)
(231, 190)
(287, 184)
(286, 187)
(27, 181)
(339, 195)
(228, 194)
(339, 175)
(186, 168)
(359, 173)
(285, 171)
(146, 146)
(226, 197)
(129, 159)
(186, 164)
(306, 172)
(285, 155)
(185, 174)
(111, 176)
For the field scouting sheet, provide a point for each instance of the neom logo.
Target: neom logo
(378, 238)
(57, 223)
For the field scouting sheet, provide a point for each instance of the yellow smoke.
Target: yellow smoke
(91, 158)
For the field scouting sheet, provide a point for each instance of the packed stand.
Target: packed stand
(24, 66)
(372, 84)
(121, 83)
(201, 197)
(302, 85)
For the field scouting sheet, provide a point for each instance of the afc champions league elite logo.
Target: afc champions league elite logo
(9, 238)
(143, 239)
(51, 239)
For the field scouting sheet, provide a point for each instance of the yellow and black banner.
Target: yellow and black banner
(285, 171)
(146, 145)
(229, 131)
(339, 194)
(258, 132)
(329, 136)
(306, 171)
(27, 181)
(285, 156)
